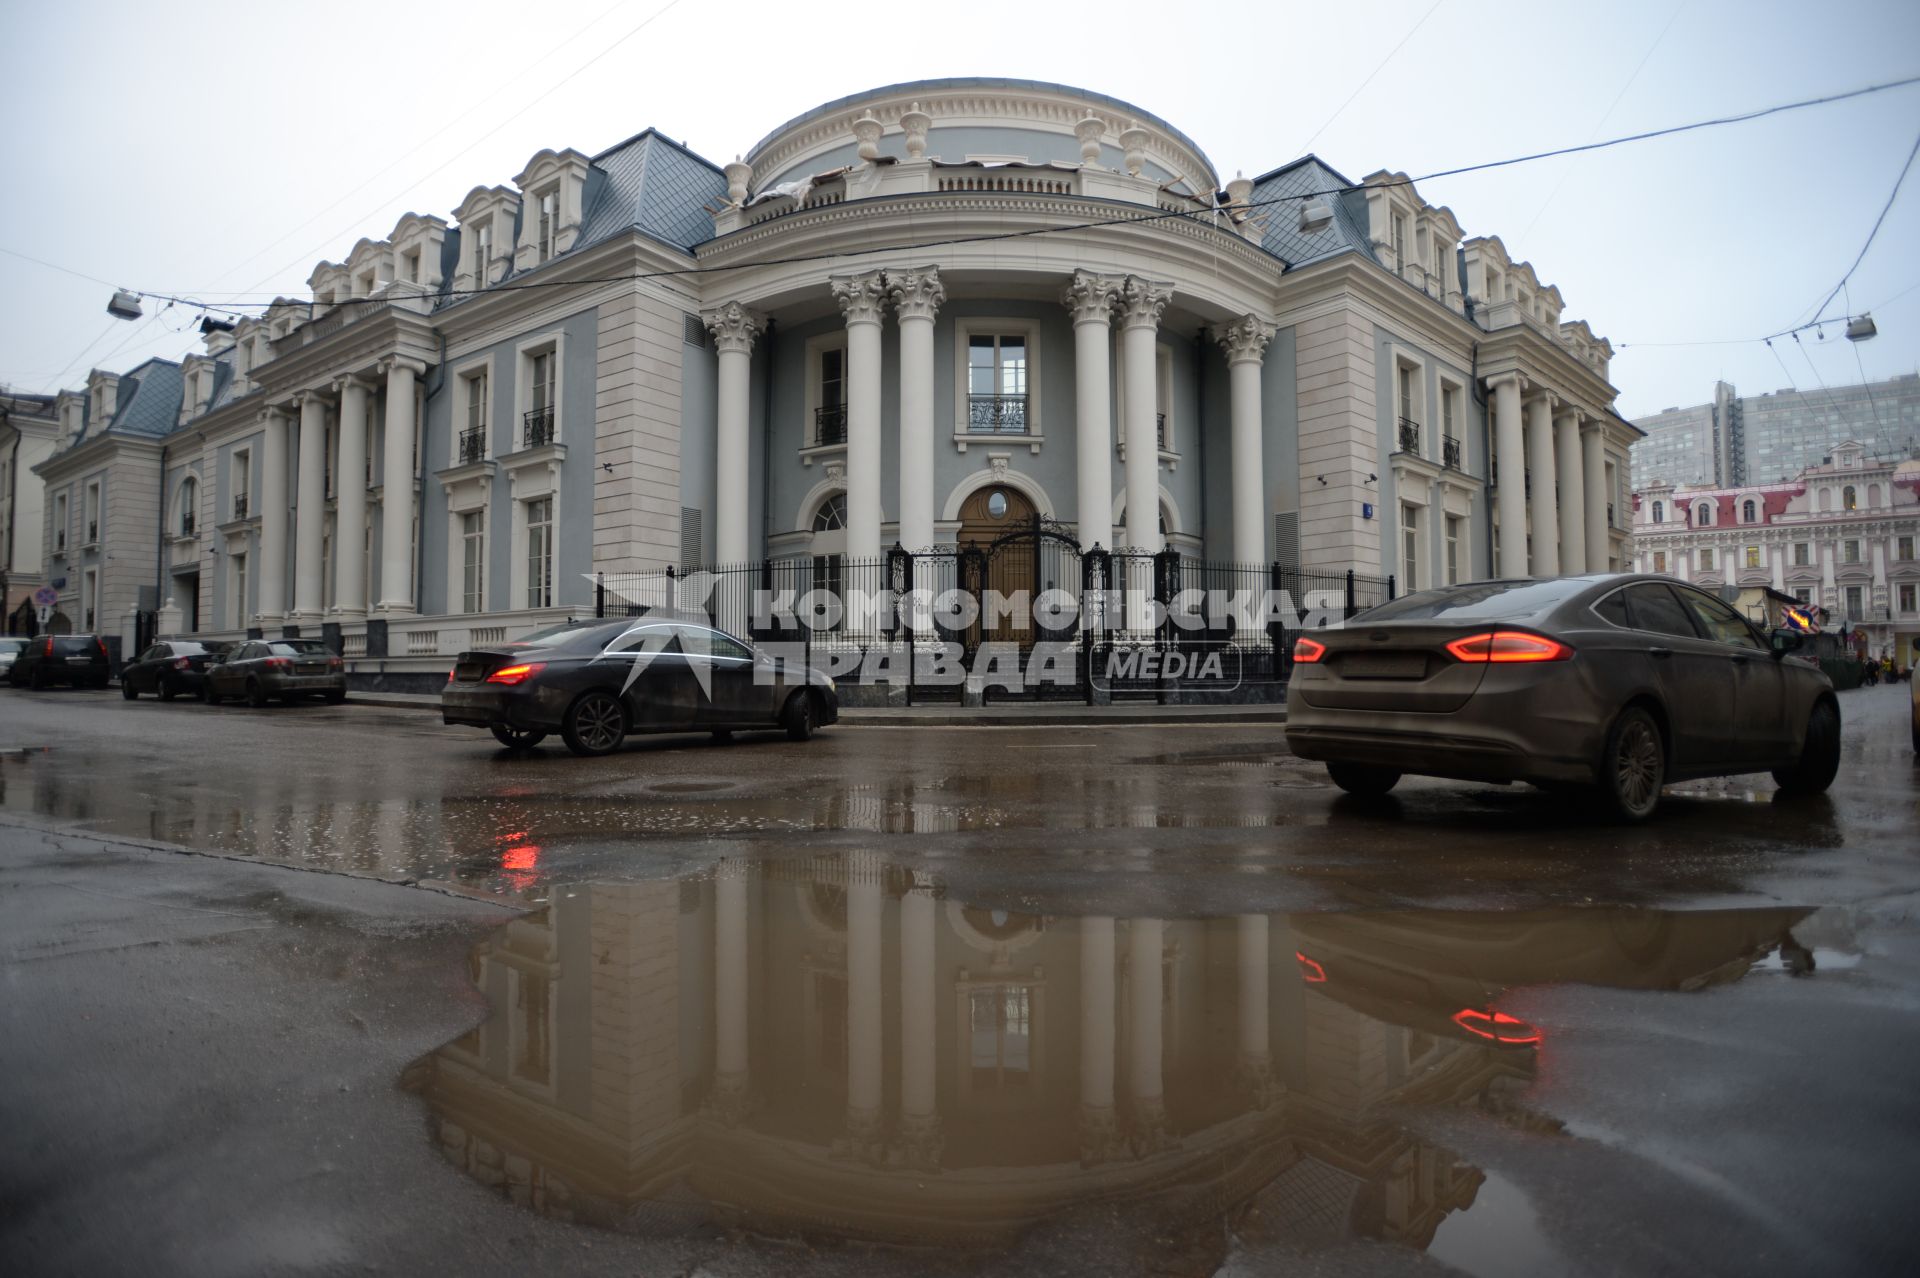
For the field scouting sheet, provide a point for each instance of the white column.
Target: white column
(311, 514)
(729, 1098)
(1593, 474)
(861, 299)
(865, 1138)
(1778, 554)
(1099, 1133)
(920, 1138)
(273, 519)
(396, 491)
(1255, 1066)
(917, 295)
(1568, 468)
(1546, 510)
(1142, 303)
(1145, 946)
(1246, 343)
(1510, 455)
(349, 534)
(1090, 299)
(734, 329)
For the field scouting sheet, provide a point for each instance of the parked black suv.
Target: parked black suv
(79, 661)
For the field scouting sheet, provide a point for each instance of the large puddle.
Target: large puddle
(836, 1048)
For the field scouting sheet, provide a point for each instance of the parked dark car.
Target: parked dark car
(1617, 683)
(79, 661)
(263, 670)
(595, 682)
(175, 667)
(10, 647)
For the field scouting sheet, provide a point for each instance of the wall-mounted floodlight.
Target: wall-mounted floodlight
(1860, 328)
(124, 305)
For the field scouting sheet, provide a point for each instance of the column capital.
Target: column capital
(861, 297)
(1246, 339)
(1091, 297)
(1538, 394)
(1143, 301)
(1499, 380)
(312, 394)
(734, 327)
(274, 414)
(393, 363)
(917, 293)
(352, 381)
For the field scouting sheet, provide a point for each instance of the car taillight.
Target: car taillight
(334, 663)
(450, 676)
(48, 650)
(282, 664)
(1308, 650)
(1508, 645)
(182, 664)
(516, 674)
(102, 645)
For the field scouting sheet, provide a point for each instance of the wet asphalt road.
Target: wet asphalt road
(1762, 1120)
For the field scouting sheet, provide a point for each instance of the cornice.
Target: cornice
(629, 253)
(350, 349)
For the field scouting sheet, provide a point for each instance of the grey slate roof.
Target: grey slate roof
(147, 404)
(1282, 235)
(657, 187)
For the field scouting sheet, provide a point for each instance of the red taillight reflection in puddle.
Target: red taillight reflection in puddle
(1496, 1027)
(522, 857)
(1310, 972)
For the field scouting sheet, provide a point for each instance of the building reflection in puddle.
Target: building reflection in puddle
(838, 1048)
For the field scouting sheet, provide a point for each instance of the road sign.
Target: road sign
(46, 597)
(44, 612)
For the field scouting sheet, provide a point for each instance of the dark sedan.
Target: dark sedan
(595, 682)
(263, 670)
(1620, 684)
(175, 667)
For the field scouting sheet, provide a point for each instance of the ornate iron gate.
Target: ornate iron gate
(1019, 582)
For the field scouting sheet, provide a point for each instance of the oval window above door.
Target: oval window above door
(997, 505)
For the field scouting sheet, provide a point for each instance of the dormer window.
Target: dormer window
(1703, 515)
(411, 265)
(483, 255)
(1399, 240)
(1659, 512)
(549, 224)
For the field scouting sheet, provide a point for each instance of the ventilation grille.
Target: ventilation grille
(691, 545)
(696, 332)
(1286, 539)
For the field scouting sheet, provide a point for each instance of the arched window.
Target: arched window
(1749, 513)
(1703, 514)
(186, 506)
(832, 515)
(829, 552)
(1659, 512)
(1849, 500)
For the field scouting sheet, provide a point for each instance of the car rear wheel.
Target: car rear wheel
(127, 689)
(516, 738)
(797, 718)
(1358, 778)
(594, 724)
(1819, 759)
(256, 695)
(37, 681)
(208, 695)
(168, 691)
(1633, 766)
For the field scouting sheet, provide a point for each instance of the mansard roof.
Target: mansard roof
(1281, 234)
(654, 185)
(147, 404)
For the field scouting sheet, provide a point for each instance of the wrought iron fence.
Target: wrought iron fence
(239, 505)
(1409, 436)
(829, 425)
(473, 445)
(997, 414)
(1450, 452)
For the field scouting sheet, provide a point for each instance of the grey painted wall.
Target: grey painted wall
(1470, 428)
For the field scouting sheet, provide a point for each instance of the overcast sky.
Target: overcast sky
(221, 150)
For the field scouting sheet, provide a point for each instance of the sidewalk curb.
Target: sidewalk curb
(957, 717)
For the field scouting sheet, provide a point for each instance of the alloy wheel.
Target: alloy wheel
(1637, 765)
(598, 722)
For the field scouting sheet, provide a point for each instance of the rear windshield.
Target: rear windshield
(299, 648)
(13, 645)
(182, 648)
(77, 646)
(1487, 601)
(595, 636)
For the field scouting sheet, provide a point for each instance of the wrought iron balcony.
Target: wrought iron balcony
(239, 505)
(829, 425)
(1450, 452)
(997, 414)
(536, 427)
(473, 445)
(60, 540)
(93, 531)
(1160, 425)
(186, 524)
(1409, 436)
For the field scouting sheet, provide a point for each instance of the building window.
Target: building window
(1450, 453)
(830, 397)
(1399, 241)
(540, 392)
(1439, 266)
(93, 513)
(1903, 548)
(1453, 550)
(1803, 593)
(1850, 552)
(540, 553)
(1659, 512)
(1854, 609)
(1849, 500)
(60, 523)
(237, 567)
(89, 599)
(1409, 547)
(996, 384)
(412, 265)
(1802, 554)
(829, 546)
(189, 504)
(1000, 1030)
(1909, 597)
(1753, 556)
(473, 561)
(1703, 515)
(1659, 561)
(471, 446)
(549, 223)
(1706, 559)
(1749, 513)
(482, 254)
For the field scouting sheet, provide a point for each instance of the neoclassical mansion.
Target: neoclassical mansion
(916, 315)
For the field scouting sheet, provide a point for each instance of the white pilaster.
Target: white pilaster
(1569, 468)
(917, 295)
(1246, 344)
(731, 1081)
(1593, 475)
(273, 519)
(865, 903)
(861, 298)
(1255, 1066)
(1142, 304)
(1546, 510)
(734, 329)
(1099, 1140)
(1090, 299)
(920, 1138)
(397, 491)
(349, 559)
(311, 514)
(1510, 455)
(1146, 943)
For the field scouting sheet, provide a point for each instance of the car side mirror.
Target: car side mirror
(1783, 641)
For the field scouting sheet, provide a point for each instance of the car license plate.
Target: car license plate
(79, 661)
(312, 668)
(1384, 665)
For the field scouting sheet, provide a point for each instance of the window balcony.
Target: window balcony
(829, 425)
(473, 445)
(1450, 452)
(239, 505)
(999, 415)
(1409, 436)
(60, 541)
(93, 531)
(1160, 427)
(536, 427)
(186, 525)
